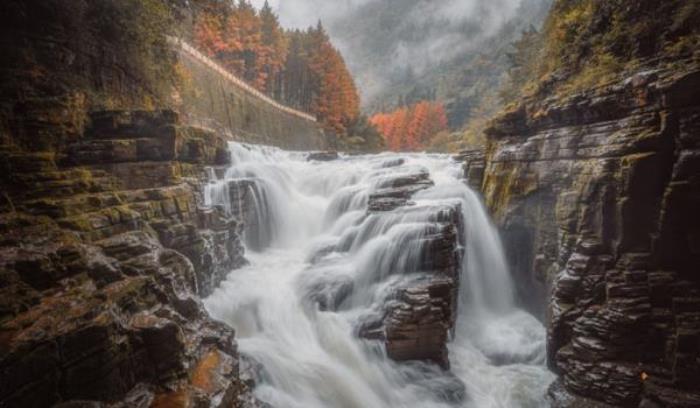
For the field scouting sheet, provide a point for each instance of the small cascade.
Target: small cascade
(374, 281)
(256, 189)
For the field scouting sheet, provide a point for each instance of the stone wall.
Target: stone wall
(211, 97)
(597, 197)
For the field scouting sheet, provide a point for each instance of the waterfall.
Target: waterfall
(323, 269)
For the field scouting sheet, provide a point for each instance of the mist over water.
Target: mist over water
(311, 237)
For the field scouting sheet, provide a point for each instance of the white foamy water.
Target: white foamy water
(313, 238)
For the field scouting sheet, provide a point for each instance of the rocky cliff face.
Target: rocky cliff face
(597, 197)
(105, 248)
(417, 318)
(105, 253)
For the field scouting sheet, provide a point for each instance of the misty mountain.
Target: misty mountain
(402, 51)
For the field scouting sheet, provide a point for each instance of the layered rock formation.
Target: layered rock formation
(105, 253)
(474, 165)
(105, 248)
(418, 316)
(596, 195)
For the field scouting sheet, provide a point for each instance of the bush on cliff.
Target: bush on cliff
(586, 43)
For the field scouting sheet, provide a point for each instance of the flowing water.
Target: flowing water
(310, 237)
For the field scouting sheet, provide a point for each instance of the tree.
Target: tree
(275, 55)
(412, 127)
(300, 68)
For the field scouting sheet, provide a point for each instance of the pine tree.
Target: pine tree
(276, 45)
(299, 68)
(411, 128)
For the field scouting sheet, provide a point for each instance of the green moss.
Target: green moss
(685, 46)
(602, 69)
(79, 223)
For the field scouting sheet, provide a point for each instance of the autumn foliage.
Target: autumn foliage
(411, 128)
(299, 68)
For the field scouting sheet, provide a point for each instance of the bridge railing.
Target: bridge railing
(239, 83)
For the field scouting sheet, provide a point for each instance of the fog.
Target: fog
(383, 40)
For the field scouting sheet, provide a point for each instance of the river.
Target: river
(322, 266)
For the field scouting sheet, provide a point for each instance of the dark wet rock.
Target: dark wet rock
(417, 318)
(396, 190)
(474, 166)
(595, 196)
(559, 397)
(392, 163)
(323, 156)
(133, 136)
(100, 278)
(398, 180)
(379, 204)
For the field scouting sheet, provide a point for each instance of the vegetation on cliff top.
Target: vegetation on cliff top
(63, 58)
(587, 43)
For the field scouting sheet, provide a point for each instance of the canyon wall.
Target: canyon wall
(106, 251)
(597, 195)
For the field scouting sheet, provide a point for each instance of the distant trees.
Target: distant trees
(411, 128)
(299, 68)
(523, 64)
(317, 80)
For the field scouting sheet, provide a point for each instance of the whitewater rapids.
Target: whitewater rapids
(309, 358)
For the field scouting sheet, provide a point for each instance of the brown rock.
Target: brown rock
(596, 196)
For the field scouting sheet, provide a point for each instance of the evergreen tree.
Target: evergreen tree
(300, 68)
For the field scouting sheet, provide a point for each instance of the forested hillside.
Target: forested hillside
(411, 127)
(588, 43)
(403, 52)
(300, 68)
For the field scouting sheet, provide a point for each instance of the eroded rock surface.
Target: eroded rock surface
(597, 196)
(474, 165)
(415, 319)
(323, 156)
(103, 260)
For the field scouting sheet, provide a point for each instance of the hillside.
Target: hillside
(407, 51)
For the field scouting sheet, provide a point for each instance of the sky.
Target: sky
(303, 13)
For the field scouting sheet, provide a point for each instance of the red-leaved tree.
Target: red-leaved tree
(411, 128)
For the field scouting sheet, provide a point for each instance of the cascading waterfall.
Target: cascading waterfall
(327, 266)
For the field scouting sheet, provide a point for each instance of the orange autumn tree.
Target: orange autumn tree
(336, 102)
(277, 49)
(208, 34)
(299, 68)
(411, 128)
(244, 42)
